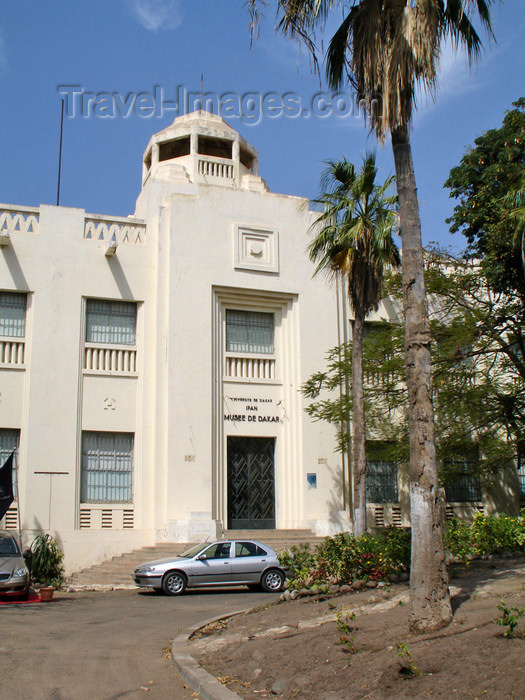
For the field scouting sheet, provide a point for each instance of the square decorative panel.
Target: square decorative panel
(256, 249)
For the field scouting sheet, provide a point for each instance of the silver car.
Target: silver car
(14, 576)
(221, 563)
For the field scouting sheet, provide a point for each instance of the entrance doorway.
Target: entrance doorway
(251, 483)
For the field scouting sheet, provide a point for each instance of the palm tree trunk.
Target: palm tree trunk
(358, 421)
(429, 596)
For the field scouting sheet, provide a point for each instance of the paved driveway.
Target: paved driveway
(95, 645)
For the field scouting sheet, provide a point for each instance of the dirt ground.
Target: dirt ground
(297, 649)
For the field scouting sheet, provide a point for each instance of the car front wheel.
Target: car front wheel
(174, 583)
(272, 581)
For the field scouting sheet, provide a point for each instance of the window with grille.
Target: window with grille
(9, 441)
(249, 331)
(107, 467)
(381, 482)
(111, 322)
(521, 470)
(464, 485)
(13, 314)
(521, 478)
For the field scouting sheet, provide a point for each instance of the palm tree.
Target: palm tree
(386, 49)
(353, 241)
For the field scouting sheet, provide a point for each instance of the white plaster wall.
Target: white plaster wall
(201, 258)
(110, 404)
(188, 255)
(12, 386)
(47, 400)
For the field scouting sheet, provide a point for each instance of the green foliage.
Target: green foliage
(509, 618)
(44, 559)
(409, 667)
(345, 558)
(353, 232)
(346, 640)
(489, 170)
(478, 361)
(384, 390)
(457, 538)
(478, 365)
(490, 534)
(485, 535)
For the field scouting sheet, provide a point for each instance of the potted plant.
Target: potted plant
(44, 560)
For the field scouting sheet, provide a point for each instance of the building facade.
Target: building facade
(151, 366)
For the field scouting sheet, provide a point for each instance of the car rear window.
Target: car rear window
(248, 549)
(8, 547)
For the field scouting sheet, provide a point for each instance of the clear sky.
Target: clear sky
(137, 57)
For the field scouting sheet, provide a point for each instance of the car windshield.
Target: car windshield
(8, 546)
(192, 551)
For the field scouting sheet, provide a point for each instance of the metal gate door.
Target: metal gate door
(251, 489)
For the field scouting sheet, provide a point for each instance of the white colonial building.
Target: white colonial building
(150, 366)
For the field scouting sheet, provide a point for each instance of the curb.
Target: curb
(104, 587)
(202, 682)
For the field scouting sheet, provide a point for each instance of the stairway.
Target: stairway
(276, 539)
(117, 572)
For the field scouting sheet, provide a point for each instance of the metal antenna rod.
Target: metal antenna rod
(60, 152)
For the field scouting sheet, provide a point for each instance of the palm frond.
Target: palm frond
(387, 49)
(336, 56)
(254, 12)
(353, 232)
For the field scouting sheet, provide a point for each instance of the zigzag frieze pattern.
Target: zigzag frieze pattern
(18, 222)
(115, 232)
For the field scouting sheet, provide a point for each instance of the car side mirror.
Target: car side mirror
(202, 557)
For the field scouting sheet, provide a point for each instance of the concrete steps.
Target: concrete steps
(117, 572)
(276, 539)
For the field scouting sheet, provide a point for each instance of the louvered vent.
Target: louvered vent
(11, 519)
(85, 518)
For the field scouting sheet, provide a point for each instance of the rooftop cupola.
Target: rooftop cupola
(201, 148)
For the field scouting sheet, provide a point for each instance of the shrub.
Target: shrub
(298, 561)
(457, 538)
(490, 535)
(345, 558)
(486, 535)
(509, 618)
(44, 559)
